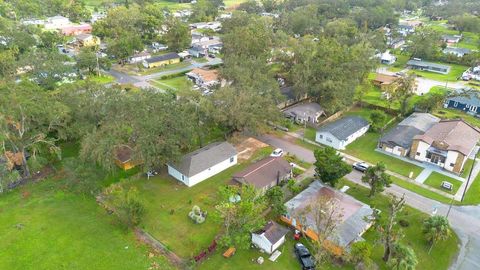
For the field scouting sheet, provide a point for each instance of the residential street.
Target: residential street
(142, 80)
(423, 84)
(465, 220)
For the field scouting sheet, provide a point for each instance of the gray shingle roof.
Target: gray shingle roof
(309, 109)
(416, 124)
(204, 158)
(273, 232)
(470, 99)
(343, 128)
(456, 50)
(164, 57)
(424, 64)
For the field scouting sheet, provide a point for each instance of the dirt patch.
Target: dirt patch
(247, 147)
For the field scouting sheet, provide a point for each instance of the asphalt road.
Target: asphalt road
(465, 220)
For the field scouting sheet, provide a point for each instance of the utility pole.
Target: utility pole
(470, 175)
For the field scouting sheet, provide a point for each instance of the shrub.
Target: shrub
(404, 223)
(197, 215)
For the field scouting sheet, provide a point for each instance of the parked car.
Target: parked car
(277, 153)
(360, 166)
(304, 256)
(211, 55)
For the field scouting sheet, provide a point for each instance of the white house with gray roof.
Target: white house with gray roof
(203, 163)
(342, 132)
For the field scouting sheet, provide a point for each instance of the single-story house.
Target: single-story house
(265, 174)
(428, 66)
(161, 60)
(340, 133)
(405, 29)
(355, 217)
(215, 25)
(198, 37)
(124, 157)
(202, 48)
(447, 144)
(56, 22)
(204, 77)
(87, 40)
(289, 97)
(270, 237)
(139, 57)
(203, 163)
(387, 58)
(383, 80)
(308, 112)
(398, 140)
(73, 30)
(451, 38)
(469, 103)
(459, 52)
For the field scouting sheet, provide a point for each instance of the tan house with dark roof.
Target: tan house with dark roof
(383, 80)
(447, 144)
(265, 173)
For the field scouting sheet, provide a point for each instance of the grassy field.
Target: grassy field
(420, 190)
(455, 73)
(149, 71)
(401, 62)
(168, 203)
(42, 227)
(441, 255)
(472, 197)
(103, 79)
(180, 82)
(435, 180)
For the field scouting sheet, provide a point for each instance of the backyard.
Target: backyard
(53, 229)
(168, 203)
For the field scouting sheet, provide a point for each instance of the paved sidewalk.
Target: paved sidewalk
(423, 176)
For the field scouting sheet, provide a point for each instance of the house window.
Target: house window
(455, 104)
(320, 136)
(183, 177)
(232, 159)
(452, 164)
(418, 153)
(473, 108)
(429, 155)
(329, 140)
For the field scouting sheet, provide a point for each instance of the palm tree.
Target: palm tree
(436, 228)
(403, 258)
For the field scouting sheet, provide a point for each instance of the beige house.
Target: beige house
(447, 144)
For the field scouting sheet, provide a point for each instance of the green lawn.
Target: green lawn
(59, 230)
(443, 253)
(455, 72)
(103, 78)
(452, 114)
(168, 203)
(466, 168)
(420, 190)
(470, 40)
(310, 133)
(472, 197)
(401, 62)
(435, 180)
(180, 82)
(364, 148)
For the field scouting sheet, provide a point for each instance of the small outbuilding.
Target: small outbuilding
(270, 237)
